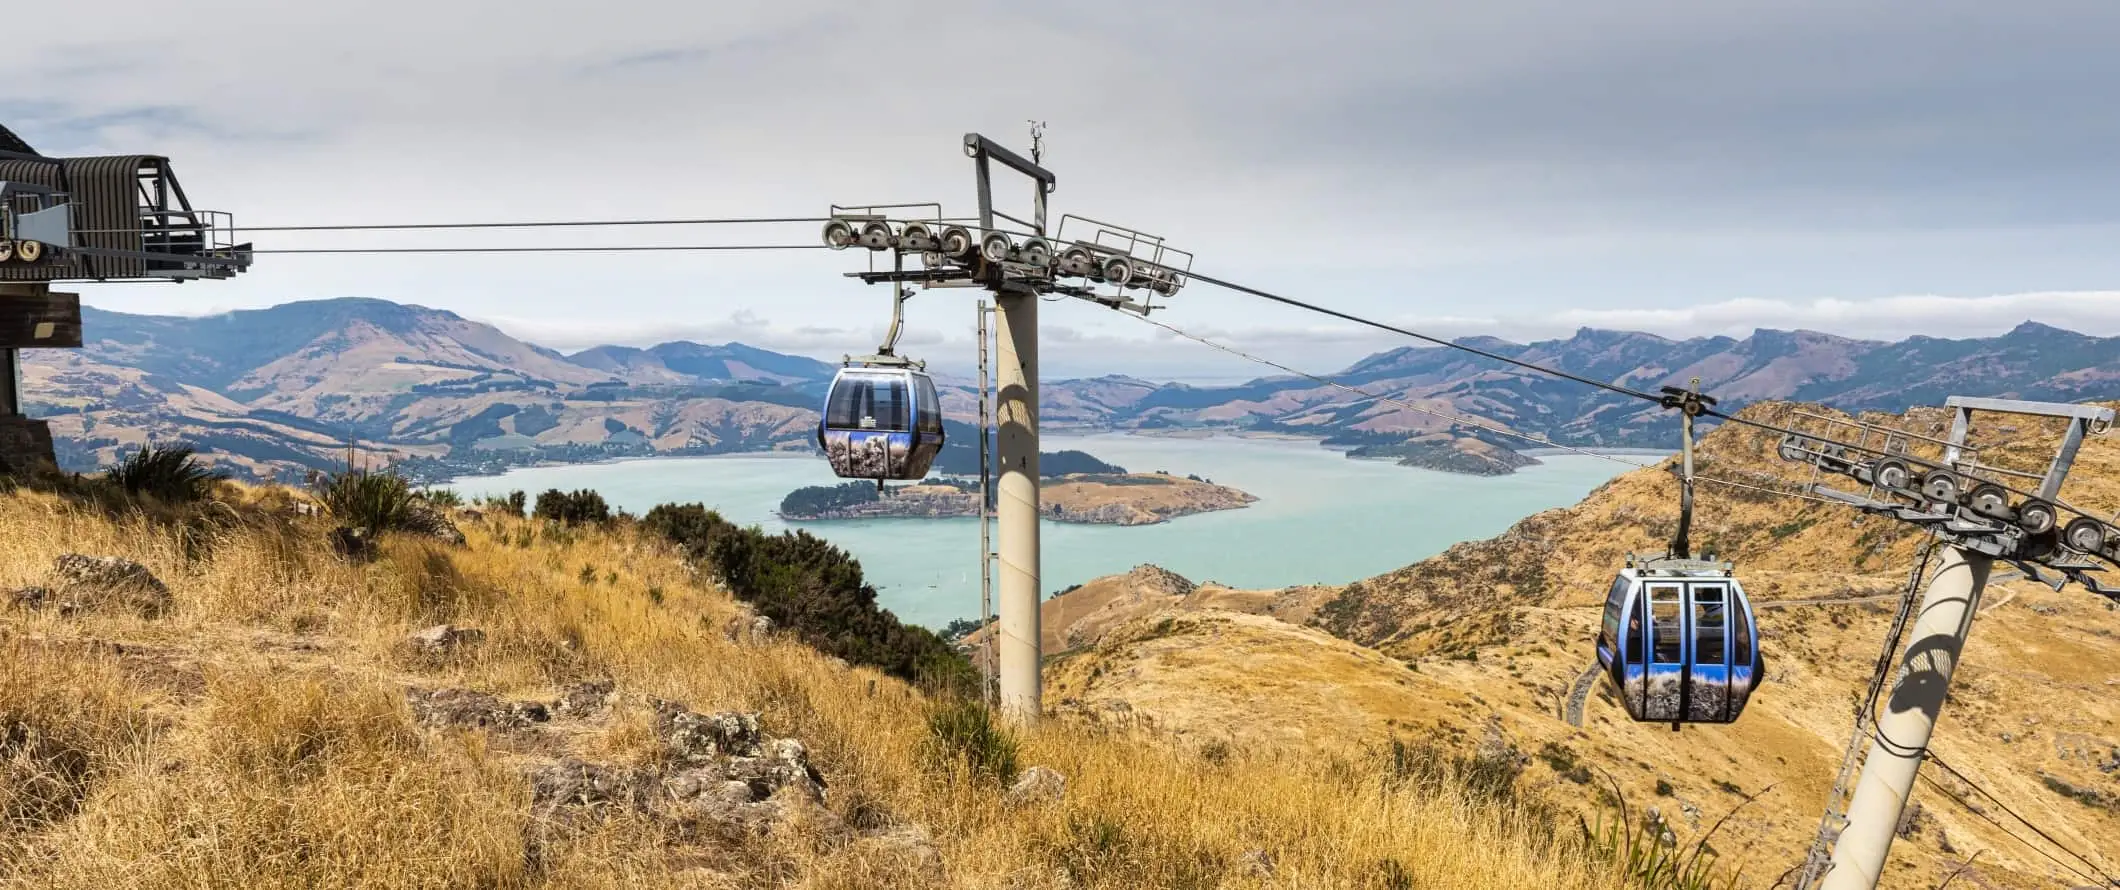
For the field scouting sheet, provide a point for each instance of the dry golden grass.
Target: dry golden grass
(257, 736)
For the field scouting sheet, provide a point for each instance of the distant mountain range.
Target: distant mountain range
(275, 392)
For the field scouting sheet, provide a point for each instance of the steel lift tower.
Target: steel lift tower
(1978, 517)
(1018, 262)
(118, 218)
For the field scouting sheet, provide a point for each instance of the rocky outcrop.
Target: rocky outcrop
(100, 583)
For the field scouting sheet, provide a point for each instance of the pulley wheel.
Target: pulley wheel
(876, 236)
(29, 251)
(2085, 534)
(1118, 270)
(2036, 517)
(1035, 253)
(1793, 450)
(7, 251)
(995, 247)
(838, 234)
(1940, 485)
(1894, 474)
(1077, 261)
(916, 237)
(957, 243)
(1989, 499)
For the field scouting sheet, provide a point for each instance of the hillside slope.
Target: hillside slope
(1488, 640)
(263, 715)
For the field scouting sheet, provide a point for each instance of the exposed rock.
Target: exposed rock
(912, 845)
(29, 597)
(695, 738)
(469, 708)
(352, 543)
(761, 628)
(1037, 785)
(573, 784)
(584, 699)
(97, 581)
(442, 639)
(785, 766)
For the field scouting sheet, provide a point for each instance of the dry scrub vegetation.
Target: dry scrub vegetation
(258, 735)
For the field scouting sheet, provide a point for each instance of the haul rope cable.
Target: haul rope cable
(536, 224)
(1463, 419)
(647, 248)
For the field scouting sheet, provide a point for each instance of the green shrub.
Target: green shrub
(571, 508)
(442, 497)
(816, 591)
(170, 474)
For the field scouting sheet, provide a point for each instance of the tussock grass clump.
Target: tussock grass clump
(376, 503)
(170, 474)
(964, 734)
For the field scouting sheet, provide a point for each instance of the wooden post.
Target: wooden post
(31, 317)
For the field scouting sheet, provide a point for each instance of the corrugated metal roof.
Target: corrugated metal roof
(105, 192)
(11, 142)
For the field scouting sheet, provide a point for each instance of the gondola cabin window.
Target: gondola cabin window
(930, 408)
(1666, 605)
(1710, 624)
(1615, 601)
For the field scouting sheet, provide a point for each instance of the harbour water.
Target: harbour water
(1320, 518)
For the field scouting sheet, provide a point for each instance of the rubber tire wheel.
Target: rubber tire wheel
(2036, 517)
(1988, 493)
(2086, 535)
(1893, 467)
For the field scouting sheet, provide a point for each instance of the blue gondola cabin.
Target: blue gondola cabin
(1679, 642)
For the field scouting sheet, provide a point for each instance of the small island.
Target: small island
(1094, 498)
(1448, 452)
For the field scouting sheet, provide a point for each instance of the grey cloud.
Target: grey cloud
(1519, 160)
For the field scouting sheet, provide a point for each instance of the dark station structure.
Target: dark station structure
(112, 218)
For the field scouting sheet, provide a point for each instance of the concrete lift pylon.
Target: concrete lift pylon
(1861, 836)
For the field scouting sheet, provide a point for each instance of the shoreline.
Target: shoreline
(1085, 434)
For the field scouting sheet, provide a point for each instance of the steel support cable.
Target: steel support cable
(1459, 418)
(538, 224)
(1335, 313)
(635, 248)
(2100, 874)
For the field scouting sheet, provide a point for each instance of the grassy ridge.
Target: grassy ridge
(258, 736)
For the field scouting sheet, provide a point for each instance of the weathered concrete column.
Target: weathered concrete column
(1016, 507)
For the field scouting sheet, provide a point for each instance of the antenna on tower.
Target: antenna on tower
(1037, 141)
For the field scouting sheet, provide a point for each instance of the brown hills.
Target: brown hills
(1486, 641)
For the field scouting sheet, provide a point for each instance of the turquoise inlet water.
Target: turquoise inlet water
(1320, 518)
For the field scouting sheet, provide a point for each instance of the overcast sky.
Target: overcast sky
(1516, 167)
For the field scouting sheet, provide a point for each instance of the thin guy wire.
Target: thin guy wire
(1961, 802)
(2109, 879)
